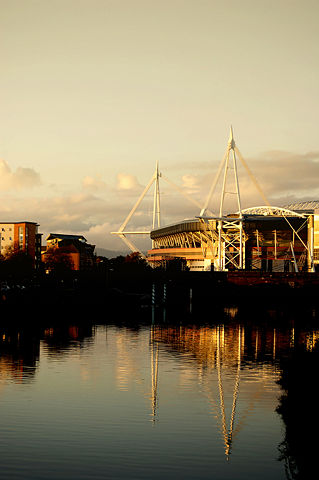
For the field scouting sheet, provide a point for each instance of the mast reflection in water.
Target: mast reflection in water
(229, 401)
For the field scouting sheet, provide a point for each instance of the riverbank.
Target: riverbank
(182, 294)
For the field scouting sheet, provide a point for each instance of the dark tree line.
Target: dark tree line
(16, 264)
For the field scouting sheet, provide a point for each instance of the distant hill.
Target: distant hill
(103, 252)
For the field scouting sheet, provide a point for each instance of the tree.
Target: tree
(58, 261)
(16, 263)
(135, 261)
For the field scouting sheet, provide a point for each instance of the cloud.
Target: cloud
(69, 213)
(282, 176)
(285, 178)
(93, 184)
(288, 172)
(100, 235)
(126, 182)
(191, 183)
(22, 178)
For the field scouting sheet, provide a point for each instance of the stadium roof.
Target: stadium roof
(310, 205)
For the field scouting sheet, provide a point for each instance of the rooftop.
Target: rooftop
(63, 236)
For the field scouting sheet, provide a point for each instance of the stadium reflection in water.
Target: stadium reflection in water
(231, 400)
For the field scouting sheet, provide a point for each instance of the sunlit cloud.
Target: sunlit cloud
(284, 177)
(22, 178)
(126, 182)
(101, 235)
(288, 173)
(95, 212)
(191, 183)
(93, 184)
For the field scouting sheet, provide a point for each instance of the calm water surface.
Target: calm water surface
(148, 402)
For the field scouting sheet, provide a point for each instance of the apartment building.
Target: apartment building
(21, 236)
(80, 253)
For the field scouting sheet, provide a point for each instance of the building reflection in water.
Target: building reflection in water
(228, 434)
(61, 339)
(212, 348)
(19, 354)
(20, 348)
(233, 365)
(229, 351)
(125, 360)
(154, 373)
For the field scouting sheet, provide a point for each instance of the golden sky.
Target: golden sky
(93, 92)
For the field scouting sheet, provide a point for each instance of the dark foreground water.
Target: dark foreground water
(229, 400)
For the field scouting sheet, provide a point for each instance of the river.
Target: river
(227, 399)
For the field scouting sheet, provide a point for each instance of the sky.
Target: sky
(94, 92)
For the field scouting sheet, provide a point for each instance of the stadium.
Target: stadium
(265, 238)
(270, 239)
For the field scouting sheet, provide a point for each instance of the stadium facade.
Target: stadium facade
(266, 238)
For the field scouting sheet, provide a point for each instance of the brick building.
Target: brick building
(21, 236)
(79, 252)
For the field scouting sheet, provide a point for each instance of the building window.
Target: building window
(20, 238)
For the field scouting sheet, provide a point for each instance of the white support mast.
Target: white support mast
(156, 204)
(156, 213)
(156, 217)
(231, 147)
(231, 245)
(230, 230)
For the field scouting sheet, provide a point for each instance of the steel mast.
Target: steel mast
(156, 212)
(231, 245)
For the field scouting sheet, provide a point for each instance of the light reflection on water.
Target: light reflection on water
(86, 401)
